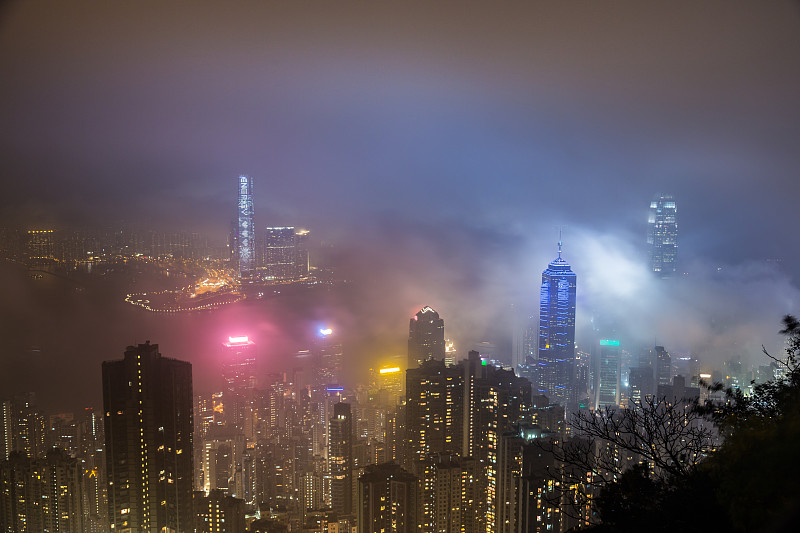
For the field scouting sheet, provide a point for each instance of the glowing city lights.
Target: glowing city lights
(391, 370)
(241, 340)
(326, 331)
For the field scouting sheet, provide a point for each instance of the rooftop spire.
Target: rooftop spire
(560, 228)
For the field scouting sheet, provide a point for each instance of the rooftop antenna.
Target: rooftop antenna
(560, 229)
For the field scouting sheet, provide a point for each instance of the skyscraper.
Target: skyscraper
(147, 401)
(217, 512)
(663, 366)
(340, 458)
(28, 426)
(662, 235)
(239, 372)
(460, 410)
(608, 374)
(41, 494)
(425, 337)
(280, 254)
(328, 358)
(285, 254)
(6, 425)
(557, 332)
(387, 499)
(434, 410)
(451, 490)
(641, 384)
(93, 457)
(246, 229)
(39, 248)
(301, 252)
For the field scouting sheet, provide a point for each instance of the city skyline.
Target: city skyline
(635, 135)
(291, 199)
(432, 168)
(636, 339)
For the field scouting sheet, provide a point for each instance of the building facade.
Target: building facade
(662, 235)
(607, 370)
(245, 239)
(556, 359)
(387, 499)
(425, 337)
(285, 254)
(340, 458)
(218, 512)
(239, 373)
(147, 401)
(41, 495)
(434, 411)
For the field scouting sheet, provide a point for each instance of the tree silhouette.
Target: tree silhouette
(662, 466)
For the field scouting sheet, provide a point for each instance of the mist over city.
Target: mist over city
(320, 210)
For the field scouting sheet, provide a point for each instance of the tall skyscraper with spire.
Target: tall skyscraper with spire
(556, 365)
(246, 228)
(425, 337)
(662, 235)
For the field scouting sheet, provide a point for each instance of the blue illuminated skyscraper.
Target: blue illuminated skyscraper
(556, 366)
(662, 235)
(246, 230)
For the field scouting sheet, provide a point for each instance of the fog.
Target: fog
(433, 150)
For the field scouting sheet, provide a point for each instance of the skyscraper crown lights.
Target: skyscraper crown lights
(662, 235)
(246, 227)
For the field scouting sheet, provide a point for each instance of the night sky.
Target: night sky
(439, 144)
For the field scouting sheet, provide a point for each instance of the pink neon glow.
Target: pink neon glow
(236, 340)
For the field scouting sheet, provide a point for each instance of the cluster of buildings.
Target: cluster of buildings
(443, 446)
(52, 469)
(431, 444)
(280, 254)
(63, 250)
(271, 254)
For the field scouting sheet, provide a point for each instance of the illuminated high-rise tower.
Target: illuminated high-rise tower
(556, 364)
(425, 337)
(663, 366)
(239, 372)
(41, 494)
(607, 374)
(340, 458)
(460, 410)
(246, 229)
(387, 499)
(434, 410)
(147, 401)
(6, 435)
(328, 358)
(39, 248)
(280, 253)
(285, 254)
(662, 235)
